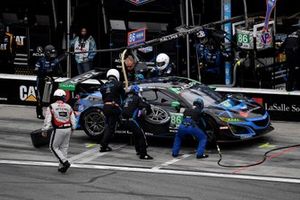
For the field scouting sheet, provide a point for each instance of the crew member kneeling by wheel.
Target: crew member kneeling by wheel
(61, 116)
(112, 94)
(133, 104)
(194, 125)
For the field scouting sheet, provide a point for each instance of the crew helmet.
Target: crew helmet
(135, 89)
(162, 61)
(199, 103)
(50, 51)
(59, 93)
(113, 73)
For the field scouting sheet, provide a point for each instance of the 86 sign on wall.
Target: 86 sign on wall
(136, 37)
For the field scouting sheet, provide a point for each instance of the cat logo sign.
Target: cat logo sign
(28, 93)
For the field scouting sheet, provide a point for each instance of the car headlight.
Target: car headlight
(230, 120)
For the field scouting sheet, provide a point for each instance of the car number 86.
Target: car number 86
(176, 118)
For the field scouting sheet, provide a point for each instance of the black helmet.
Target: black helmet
(50, 51)
(199, 103)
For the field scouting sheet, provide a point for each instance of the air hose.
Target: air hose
(264, 158)
(123, 68)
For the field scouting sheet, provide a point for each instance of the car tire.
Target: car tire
(211, 130)
(93, 123)
(157, 122)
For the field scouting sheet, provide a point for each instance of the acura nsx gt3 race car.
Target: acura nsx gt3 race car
(228, 118)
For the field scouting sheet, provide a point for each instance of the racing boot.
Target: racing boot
(105, 149)
(202, 156)
(40, 117)
(66, 166)
(146, 157)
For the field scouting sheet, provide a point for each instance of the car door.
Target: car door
(162, 99)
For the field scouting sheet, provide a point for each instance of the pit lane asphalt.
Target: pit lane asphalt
(120, 174)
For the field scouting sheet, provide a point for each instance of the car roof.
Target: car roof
(166, 82)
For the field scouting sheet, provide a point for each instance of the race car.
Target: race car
(228, 118)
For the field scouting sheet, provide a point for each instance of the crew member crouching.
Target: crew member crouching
(192, 124)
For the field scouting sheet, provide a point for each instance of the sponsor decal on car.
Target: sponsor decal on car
(258, 100)
(178, 90)
(176, 119)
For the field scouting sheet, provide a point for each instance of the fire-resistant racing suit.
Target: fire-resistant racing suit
(132, 105)
(60, 116)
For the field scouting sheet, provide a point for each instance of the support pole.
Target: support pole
(187, 39)
(246, 15)
(226, 14)
(123, 69)
(54, 14)
(68, 38)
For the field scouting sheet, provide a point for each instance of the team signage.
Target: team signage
(136, 37)
(245, 39)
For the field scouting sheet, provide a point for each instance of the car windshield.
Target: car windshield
(209, 96)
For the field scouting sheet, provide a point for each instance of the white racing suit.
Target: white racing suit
(60, 116)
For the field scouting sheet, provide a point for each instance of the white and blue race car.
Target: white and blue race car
(228, 118)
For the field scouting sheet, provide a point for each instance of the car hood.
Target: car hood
(235, 108)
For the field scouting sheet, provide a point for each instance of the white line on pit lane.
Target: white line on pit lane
(157, 171)
(170, 162)
(91, 154)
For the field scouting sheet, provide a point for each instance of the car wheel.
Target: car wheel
(93, 123)
(157, 122)
(211, 130)
(158, 116)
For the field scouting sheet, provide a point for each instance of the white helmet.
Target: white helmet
(162, 61)
(113, 72)
(59, 93)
